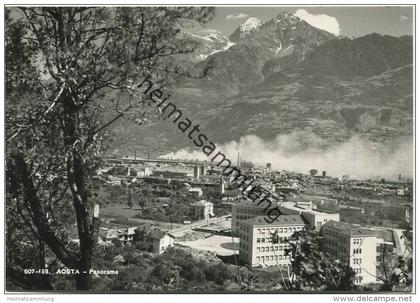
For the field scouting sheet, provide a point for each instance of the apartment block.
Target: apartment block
(315, 219)
(256, 240)
(354, 245)
(244, 211)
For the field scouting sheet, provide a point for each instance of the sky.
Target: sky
(349, 21)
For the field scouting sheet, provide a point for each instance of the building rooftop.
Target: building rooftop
(153, 232)
(172, 170)
(385, 234)
(292, 205)
(364, 200)
(250, 203)
(352, 230)
(202, 203)
(281, 220)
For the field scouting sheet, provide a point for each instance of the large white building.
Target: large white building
(248, 209)
(354, 245)
(315, 219)
(255, 240)
(244, 211)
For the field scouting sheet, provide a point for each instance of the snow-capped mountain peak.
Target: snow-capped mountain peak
(207, 42)
(250, 25)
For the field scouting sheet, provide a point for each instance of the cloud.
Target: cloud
(322, 21)
(403, 18)
(236, 16)
(302, 150)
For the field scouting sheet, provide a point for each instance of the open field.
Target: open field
(118, 211)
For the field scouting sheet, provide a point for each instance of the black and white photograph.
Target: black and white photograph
(198, 148)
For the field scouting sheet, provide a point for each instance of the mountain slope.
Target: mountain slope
(283, 40)
(377, 107)
(365, 56)
(285, 75)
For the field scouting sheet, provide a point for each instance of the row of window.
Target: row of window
(269, 240)
(357, 241)
(357, 270)
(357, 251)
(243, 217)
(272, 258)
(331, 232)
(335, 236)
(278, 230)
(357, 261)
(250, 211)
(342, 248)
(272, 248)
(331, 242)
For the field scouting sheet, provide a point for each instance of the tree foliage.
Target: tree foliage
(396, 270)
(312, 270)
(71, 72)
(313, 172)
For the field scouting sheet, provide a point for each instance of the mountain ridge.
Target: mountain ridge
(288, 75)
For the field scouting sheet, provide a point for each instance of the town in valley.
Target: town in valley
(160, 205)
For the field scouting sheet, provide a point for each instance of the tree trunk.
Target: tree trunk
(87, 227)
(87, 249)
(84, 278)
(23, 176)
